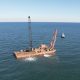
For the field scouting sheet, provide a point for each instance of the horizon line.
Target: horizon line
(39, 21)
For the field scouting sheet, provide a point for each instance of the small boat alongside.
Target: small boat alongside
(42, 50)
(62, 35)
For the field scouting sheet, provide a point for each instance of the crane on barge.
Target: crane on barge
(30, 33)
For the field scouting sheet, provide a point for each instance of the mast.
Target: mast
(30, 33)
(55, 35)
(52, 44)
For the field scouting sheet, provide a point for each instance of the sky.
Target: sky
(40, 10)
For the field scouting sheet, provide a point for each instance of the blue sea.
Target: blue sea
(65, 65)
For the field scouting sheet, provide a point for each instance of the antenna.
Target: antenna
(30, 33)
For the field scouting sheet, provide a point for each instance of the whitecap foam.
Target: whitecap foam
(30, 59)
(46, 55)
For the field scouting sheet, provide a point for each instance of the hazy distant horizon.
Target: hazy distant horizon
(33, 20)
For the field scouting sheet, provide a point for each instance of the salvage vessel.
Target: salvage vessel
(42, 50)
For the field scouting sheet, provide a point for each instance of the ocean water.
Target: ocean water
(65, 65)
